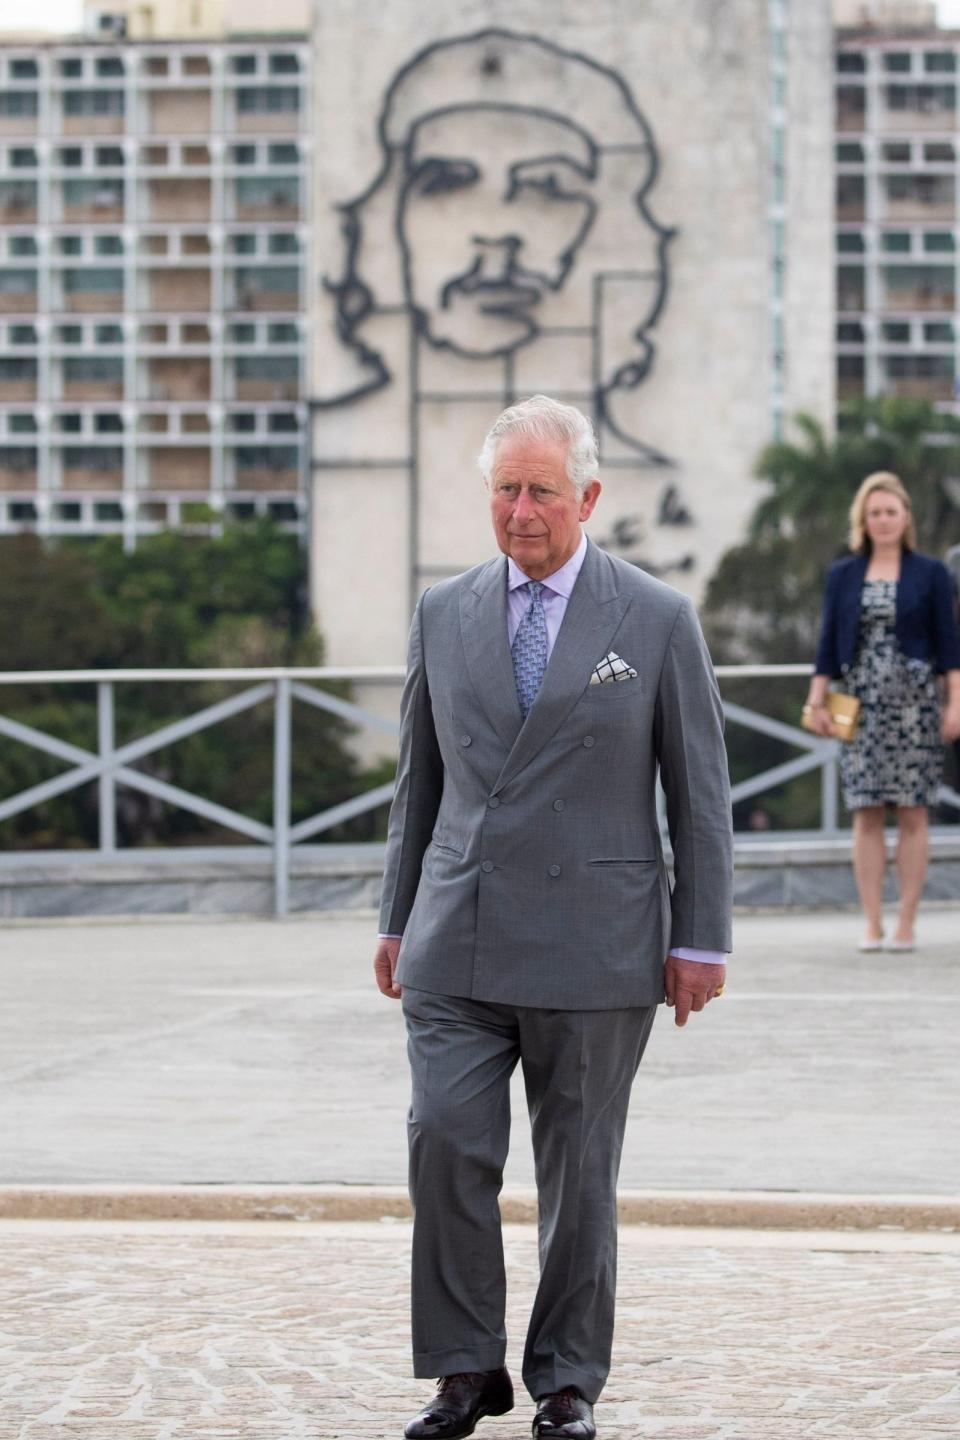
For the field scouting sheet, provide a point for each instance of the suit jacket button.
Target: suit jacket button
(466, 740)
(487, 866)
(554, 870)
(588, 742)
(494, 801)
(559, 804)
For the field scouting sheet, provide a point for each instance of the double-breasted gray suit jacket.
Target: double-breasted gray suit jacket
(524, 864)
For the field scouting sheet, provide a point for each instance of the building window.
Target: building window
(18, 282)
(920, 367)
(23, 70)
(70, 157)
(109, 155)
(284, 64)
(924, 189)
(67, 511)
(23, 157)
(107, 511)
(70, 424)
(267, 367)
(243, 64)
(103, 281)
(71, 69)
(850, 332)
(938, 242)
(895, 242)
(282, 510)
(243, 154)
(897, 62)
(98, 194)
(23, 335)
(284, 243)
(18, 197)
(897, 152)
(92, 457)
(108, 245)
(108, 334)
(938, 152)
(22, 246)
(268, 192)
(108, 424)
(24, 512)
(897, 332)
(93, 102)
(243, 334)
(940, 62)
(22, 424)
(93, 367)
(282, 421)
(266, 457)
(851, 62)
(18, 104)
(70, 245)
(17, 369)
(267, 99)
(109, 65)
(281, 332)
(253, 280)
(19, 458)
(70, 334)
(921, 99)
(242, 423)
(938, 332)
(850, 242)
(283, 154)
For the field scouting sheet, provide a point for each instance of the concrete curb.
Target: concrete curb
(751, 1209)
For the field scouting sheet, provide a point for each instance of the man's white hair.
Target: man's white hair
(544, 419)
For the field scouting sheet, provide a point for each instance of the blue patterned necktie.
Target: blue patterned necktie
(529, 649)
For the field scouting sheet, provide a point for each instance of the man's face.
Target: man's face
(495, 205)
(535, 508)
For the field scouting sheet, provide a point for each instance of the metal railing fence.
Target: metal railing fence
(112, 766)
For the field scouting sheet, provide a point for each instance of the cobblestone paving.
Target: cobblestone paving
(266, 1332)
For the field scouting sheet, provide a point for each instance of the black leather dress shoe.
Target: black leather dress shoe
(565, 1415)
(460, 1401)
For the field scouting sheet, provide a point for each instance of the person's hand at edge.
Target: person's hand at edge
(691, 984)
(385, 967)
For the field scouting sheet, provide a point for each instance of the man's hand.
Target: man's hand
(385, 967)
(690, 984)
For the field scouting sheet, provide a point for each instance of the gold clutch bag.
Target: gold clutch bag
(844, 713)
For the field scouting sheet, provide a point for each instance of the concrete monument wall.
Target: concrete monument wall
(572, 199)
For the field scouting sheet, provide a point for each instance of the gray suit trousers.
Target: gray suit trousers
(578, 1068)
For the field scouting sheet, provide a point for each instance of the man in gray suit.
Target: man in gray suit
(527, 913)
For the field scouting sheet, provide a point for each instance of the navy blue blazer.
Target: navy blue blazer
(926, 628)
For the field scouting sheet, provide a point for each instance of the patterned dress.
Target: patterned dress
(897, 755)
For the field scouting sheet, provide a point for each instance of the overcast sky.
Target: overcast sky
(68, 14)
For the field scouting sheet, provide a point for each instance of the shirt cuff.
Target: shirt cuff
(381, 936)
(703, 957)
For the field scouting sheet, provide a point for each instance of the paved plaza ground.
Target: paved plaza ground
(252, 1051)
(272, 1332)
(211, 1053)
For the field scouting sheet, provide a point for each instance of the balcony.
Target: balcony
(184, 467)
(179, 380)
(177, 200)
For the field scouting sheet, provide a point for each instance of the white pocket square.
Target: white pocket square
(610, 669)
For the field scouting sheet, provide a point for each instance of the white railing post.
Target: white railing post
(106, 785)
(281, 797)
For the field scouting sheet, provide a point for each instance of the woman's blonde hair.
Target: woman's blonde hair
(858, 539)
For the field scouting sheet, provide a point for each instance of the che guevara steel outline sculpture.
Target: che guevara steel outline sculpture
(468, 73)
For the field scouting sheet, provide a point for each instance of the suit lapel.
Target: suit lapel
(483, 630)
(593, 614)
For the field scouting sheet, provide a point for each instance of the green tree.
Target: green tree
(177, 602)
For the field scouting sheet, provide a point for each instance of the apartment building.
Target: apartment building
(896, 203)
(154, 238)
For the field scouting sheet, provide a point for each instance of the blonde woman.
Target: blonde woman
(889, 636)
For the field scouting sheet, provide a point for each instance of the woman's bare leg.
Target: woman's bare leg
(869, 865)
(912, 849)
